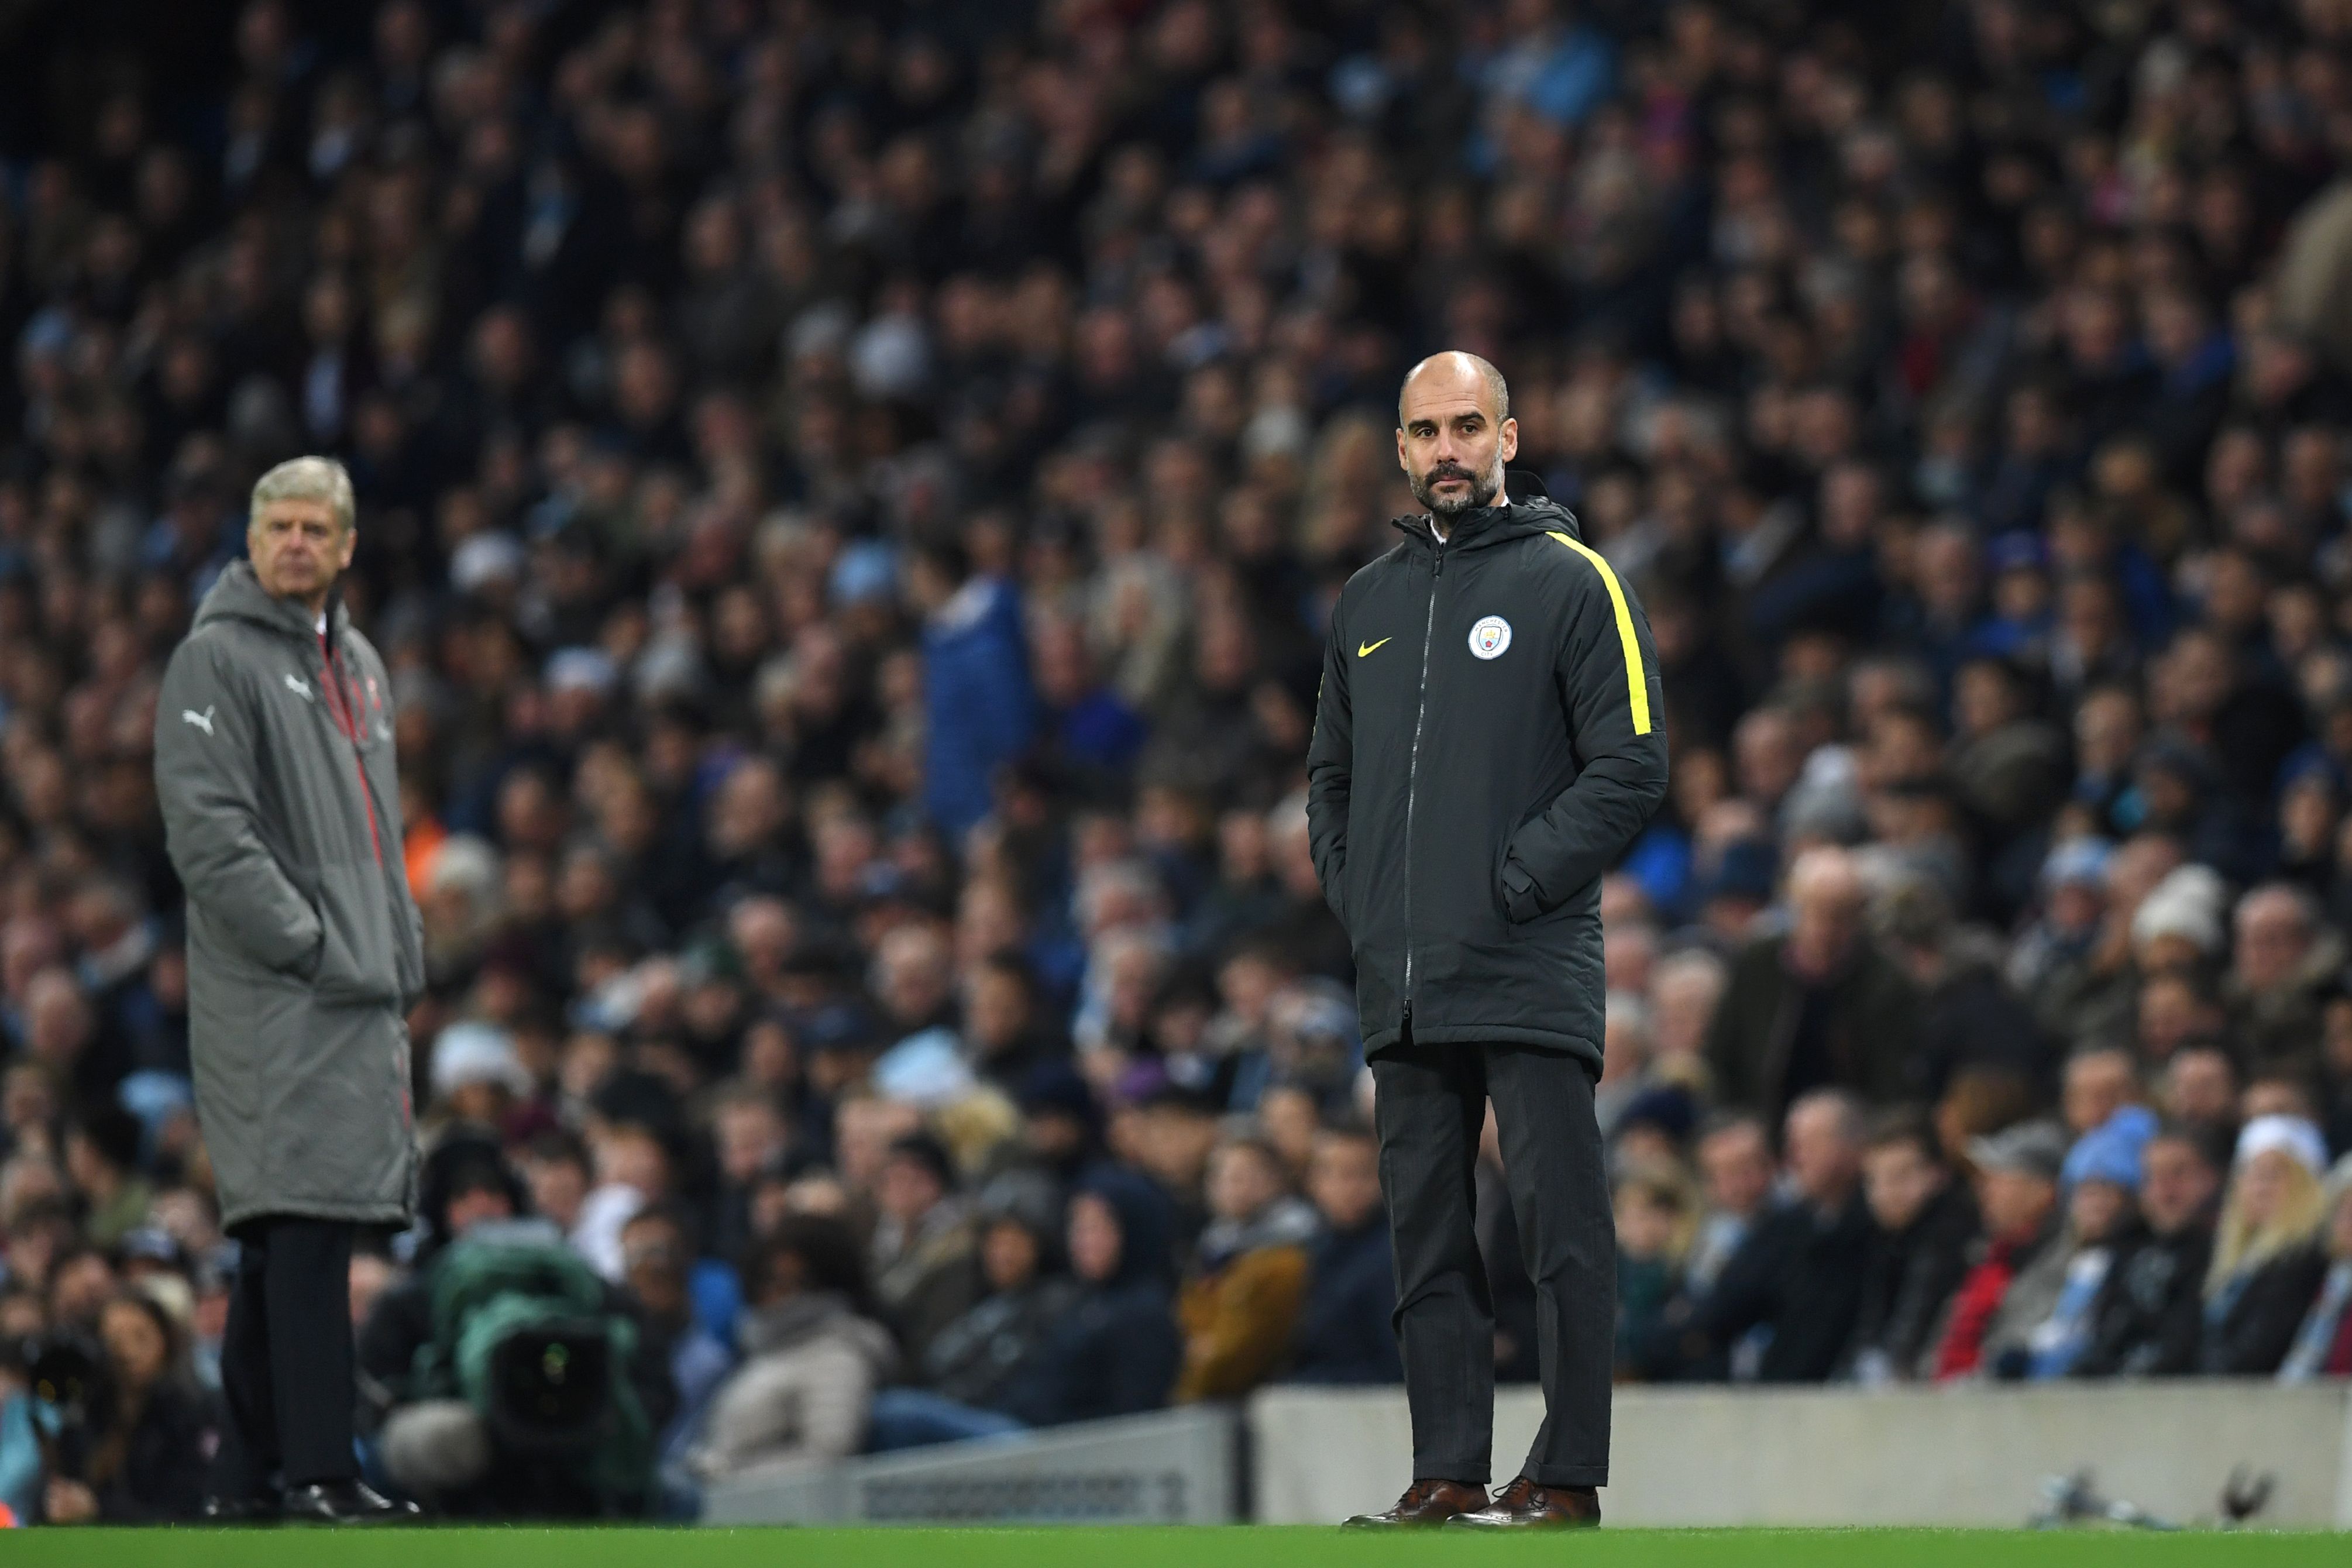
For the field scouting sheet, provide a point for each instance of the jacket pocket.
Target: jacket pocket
(306, 967)
(1515, 886)
(359, 961)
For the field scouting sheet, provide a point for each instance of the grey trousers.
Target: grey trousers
(1431, 1106)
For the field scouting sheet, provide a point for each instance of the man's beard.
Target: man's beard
(1483, 489)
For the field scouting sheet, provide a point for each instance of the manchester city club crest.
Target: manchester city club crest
(1490, 636)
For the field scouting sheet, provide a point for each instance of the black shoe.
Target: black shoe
(345, 1502)
(264, 1509)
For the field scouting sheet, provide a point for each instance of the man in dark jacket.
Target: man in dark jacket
(1487, 744)
(2150, 1313)
(274, 767)
(1345, 1333)
(1924, 1222)
(1799, 1271)
(1816, 1006)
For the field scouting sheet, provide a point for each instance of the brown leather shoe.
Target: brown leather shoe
(1524, 1505)
(1425, 1503)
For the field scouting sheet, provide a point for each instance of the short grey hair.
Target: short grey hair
(307, 478)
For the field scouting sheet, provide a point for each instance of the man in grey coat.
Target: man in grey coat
(274, 763)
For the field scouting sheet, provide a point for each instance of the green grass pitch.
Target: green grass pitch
(1078, 1547)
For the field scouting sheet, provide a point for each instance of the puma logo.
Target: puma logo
(202, 721)
(298, 686)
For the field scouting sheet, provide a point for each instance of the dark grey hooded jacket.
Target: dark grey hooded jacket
(1487, 742)
(274, 764)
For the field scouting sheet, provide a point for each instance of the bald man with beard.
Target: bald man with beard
(1487, 742)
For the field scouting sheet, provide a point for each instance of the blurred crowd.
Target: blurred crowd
(849, 497)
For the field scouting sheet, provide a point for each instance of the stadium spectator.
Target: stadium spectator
(1967, 1016)
(1800, 1269)
(1656, 1217)
(1345, 1332)
(2094, 1085)
(926, 1255)
(21, 1462)
(1852, 1006)
(657, 1258)
(2048, 1315)
(1117, 1350)
(1925, 1223)
(2149, 1318)
(2017, 1174)
(103, 1160)
(2322, 1345)
(147, 1456)
(1734, 1163)
(813, 1355)
(2269, 1248)
(1240, 1304)
(2281, 958)
(980, 1357)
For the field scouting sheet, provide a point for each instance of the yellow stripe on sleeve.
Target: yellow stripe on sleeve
(1637, 685)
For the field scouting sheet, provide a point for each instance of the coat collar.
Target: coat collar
(1527, 508)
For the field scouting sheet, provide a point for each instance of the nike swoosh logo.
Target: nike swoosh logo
(1371, 646)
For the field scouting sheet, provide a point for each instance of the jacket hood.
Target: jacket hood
(1531, 511)
(238, 594)
(1144, 1226)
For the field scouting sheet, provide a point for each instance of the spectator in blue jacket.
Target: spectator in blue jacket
(1346, 1329)
(978, 705)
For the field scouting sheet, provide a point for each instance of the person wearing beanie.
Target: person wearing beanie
(477, 1075)
(2017, 1172)
(2268, 1257)
(2046, 1321)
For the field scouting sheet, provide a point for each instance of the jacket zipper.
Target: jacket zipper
(347, 722)
(1413, 767)
(342, 710)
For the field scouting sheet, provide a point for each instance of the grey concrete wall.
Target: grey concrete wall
(1177, 1466)
(1959, 1455)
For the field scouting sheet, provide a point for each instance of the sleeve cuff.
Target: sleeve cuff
(1519, 901)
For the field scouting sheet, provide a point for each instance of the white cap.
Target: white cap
(483, 559)
(2290, 1135)
(2187, 904)
(472, 1053)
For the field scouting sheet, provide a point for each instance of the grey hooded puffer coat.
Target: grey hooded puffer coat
(274, 766)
